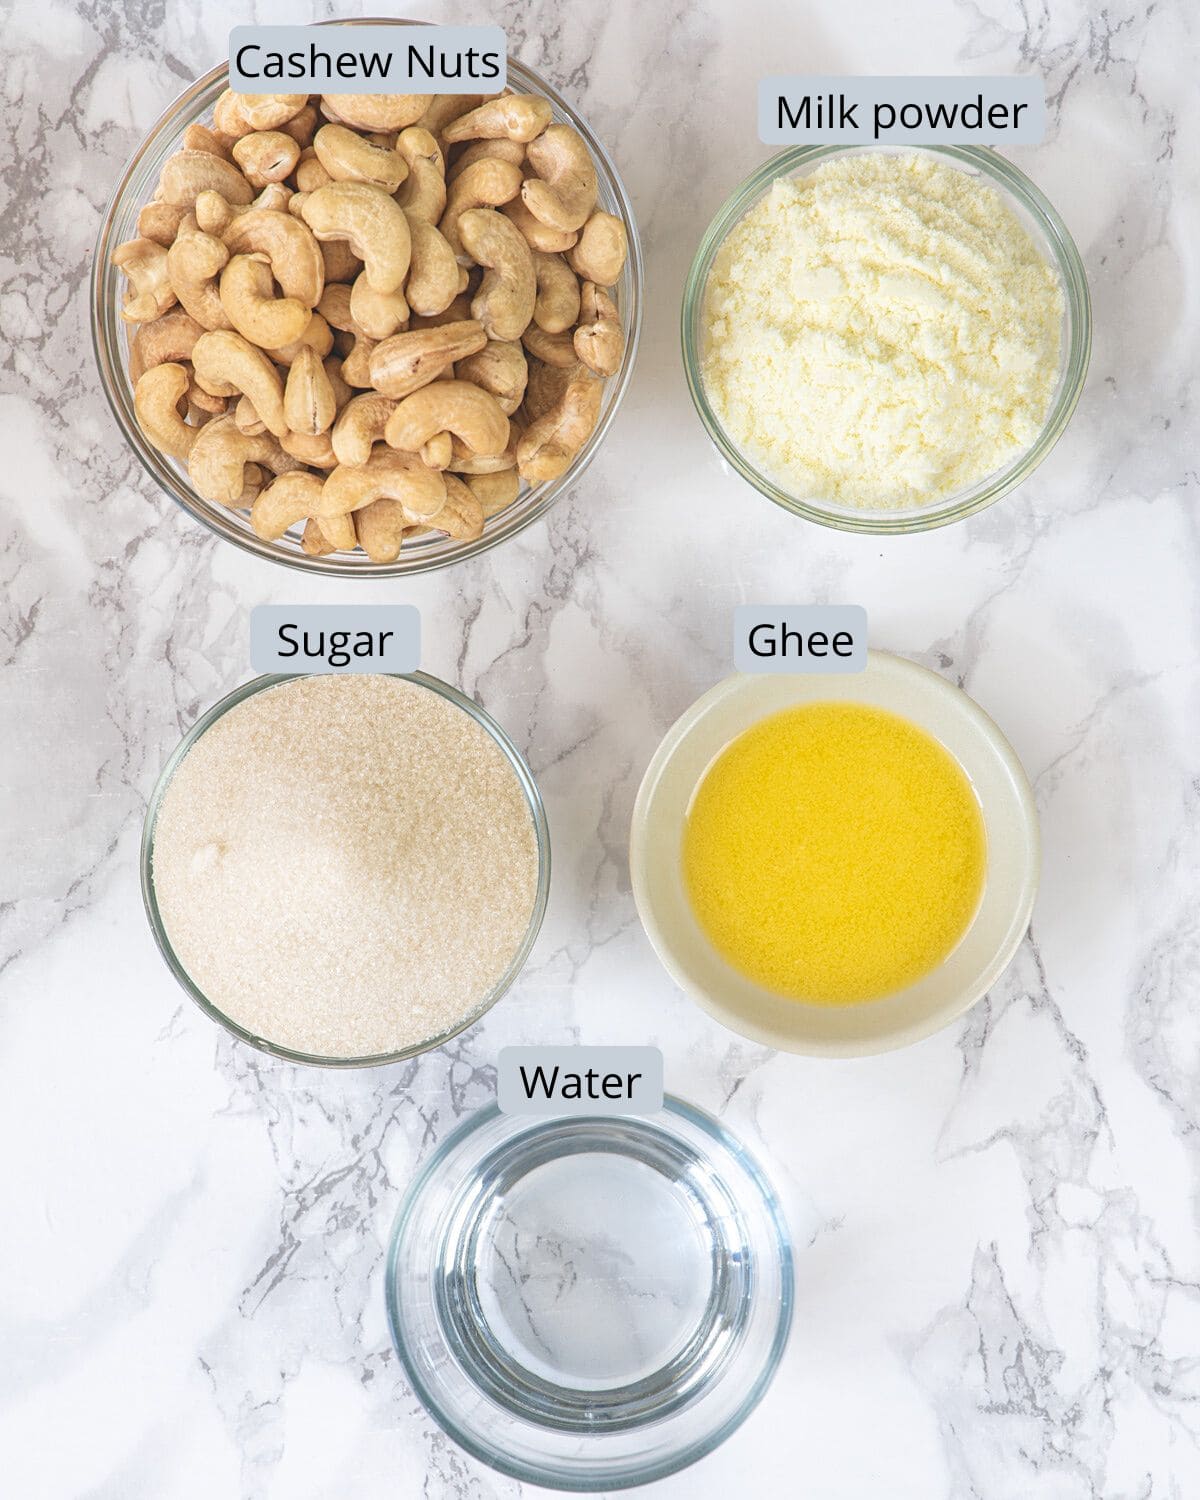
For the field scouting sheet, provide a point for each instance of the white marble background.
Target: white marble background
(998, 1268)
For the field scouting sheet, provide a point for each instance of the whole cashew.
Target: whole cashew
(194, 262)
(289, 246)
(556, 349)
(449, 406)
(266, 156)
(247, 291)
(187, 174)
(377, 314)
(310, 175)
(540, 236)
(289, 499)
(220, 454)
(512, 152)
(443, 108)
(317, 336)
(551, 442)
(156, 401)
(168, 339)
(387, 475)
(200, 138)
(380, 529)
(372, 222)
(557, 305)
(563, 193)
(348, 157)
(520, 117)
(462, 515)
(151, 290)
(485, 184)
(495, 492)
(360, 425)
(160, 222)
(267, 111)
(408, 361)
(499, 368)
(422, 195)
(433, 275)
(599, 254)
(505, 300)
(223, 359)
(309, 404)
(314, 449)
(599, 340)
(228, 118)
(376, 111)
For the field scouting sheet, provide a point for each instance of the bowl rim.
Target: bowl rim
(929, 685)
(537, 813)
(528, 508)
(1074, 360)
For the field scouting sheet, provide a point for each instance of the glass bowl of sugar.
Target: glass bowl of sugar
(882, 340)
(346, 869)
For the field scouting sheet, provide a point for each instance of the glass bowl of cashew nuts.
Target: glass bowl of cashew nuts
(367, 334)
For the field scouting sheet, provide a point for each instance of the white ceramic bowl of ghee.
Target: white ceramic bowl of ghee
(986, 948)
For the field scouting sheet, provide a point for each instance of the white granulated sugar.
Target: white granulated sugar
(881, 333)
(345, 866)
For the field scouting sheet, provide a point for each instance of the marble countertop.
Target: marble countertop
(998, 1269)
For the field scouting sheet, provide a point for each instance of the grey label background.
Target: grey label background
(401, 654)
(868, 92)
(647, 1091)
(387, 41)
(828, 618)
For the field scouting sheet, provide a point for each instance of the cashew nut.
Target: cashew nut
(156, 401)
(433, 275)
(599, 340)
(356, 367)
(485, 184)
(267, 111)
(422, 195)
(151, 290)
(360, 425)
(443, 108)
(464, 460)
(228, 118)
(316, 336)
(499, 368)
(503, 150)
(266, 156)
(201, 138)
(376, 111)
(556, 349)
(248, 420)
(224, 359)
(599, 253)
(302, 127)
(372, 222)
(495, 492)
(289, 499)
(377, 314)
(453, 406)
(520, 117)
(551, 442)
(386, 475)
(187, 174)
(314, 542)
(247, 292)
(557, 305)
(314, 449)
(220, 454)
(310, 175)
(408, 361)
(289, 246)
(505, 300)
(563, 193)
(168, 339)
(338, 531)
(540, 236)
(438, 451)
(349, 157)
(309, 405)
(194, 262)
(380, 530)
(462, 515)
(160, 221)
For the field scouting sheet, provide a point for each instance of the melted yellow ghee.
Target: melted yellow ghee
(834, 853)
